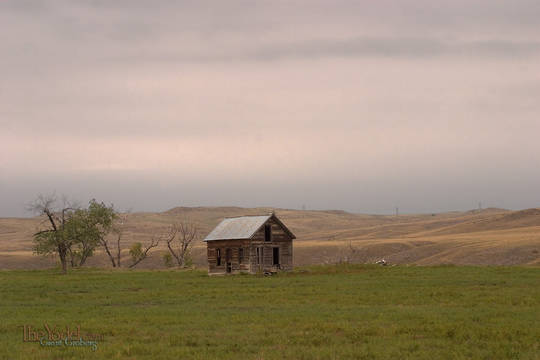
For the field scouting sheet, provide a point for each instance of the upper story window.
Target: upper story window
(268, 232)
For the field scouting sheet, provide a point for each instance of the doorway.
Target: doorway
(275, 256)
(228, 260)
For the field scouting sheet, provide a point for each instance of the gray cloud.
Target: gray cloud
(90, 31)
(349, 48)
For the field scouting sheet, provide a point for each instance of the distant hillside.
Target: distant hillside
(489, 236)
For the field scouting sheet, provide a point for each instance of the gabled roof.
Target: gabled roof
(242, 227)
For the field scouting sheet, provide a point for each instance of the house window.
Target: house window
(240, 255)
(218, 257)
(258, 256)
(268, 232)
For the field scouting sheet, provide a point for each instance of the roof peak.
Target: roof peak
(241, 216)
(243, 227)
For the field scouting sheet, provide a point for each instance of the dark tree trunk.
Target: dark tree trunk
(111, 257)
(118, 252)
(62, 253)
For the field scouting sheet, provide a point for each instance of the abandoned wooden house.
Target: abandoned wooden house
(250, 244)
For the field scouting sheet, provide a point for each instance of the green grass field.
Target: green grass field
(327, 312)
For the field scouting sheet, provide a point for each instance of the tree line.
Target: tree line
(74, 233)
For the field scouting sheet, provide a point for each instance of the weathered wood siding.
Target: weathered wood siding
(279, 239)
(223, 245)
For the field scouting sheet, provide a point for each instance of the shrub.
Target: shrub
(135, 251)
(167, 260)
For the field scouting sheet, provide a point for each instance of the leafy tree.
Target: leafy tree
(84, 237)
(53, 239)
(72, 233)
(88, 228)
(101, 219)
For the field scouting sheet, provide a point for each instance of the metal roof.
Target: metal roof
(242, 227)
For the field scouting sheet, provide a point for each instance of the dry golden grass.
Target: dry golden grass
(487, 237)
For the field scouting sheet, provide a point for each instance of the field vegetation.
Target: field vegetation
(319, 312)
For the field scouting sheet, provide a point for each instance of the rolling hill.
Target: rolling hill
(479, 237)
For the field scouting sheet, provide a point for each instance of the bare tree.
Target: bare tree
(180, 239)
(118, 232)
(138, 254)
(347, 254)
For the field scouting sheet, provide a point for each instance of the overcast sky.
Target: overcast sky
(356, 105)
